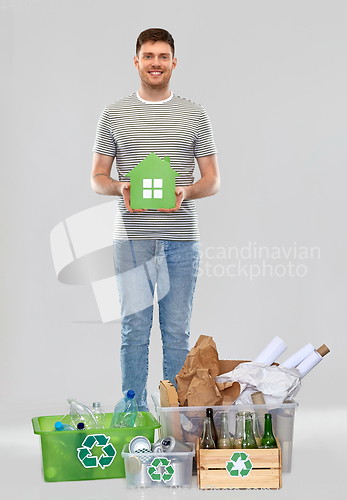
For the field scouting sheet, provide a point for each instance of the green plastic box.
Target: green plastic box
(89, 454)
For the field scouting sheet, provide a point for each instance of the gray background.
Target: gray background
(272, 77)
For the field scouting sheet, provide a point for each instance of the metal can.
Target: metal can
(179, 477)
(140, 444)
(133, 465)
(170, 444)
(157, 448)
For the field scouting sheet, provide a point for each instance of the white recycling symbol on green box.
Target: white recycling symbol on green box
(154, 472)
(239, 465)
(86, 457)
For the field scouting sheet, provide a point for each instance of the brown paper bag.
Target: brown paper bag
(203, 356)
(203, 388)
(195, 381)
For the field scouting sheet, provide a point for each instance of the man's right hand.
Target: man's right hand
(125, 190)
(102, 182)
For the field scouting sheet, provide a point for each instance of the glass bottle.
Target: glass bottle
(209, 414)
(224, 440)
(268, 439)
(99, 415)
(256, 428)
(248, 439)
(207, 441)
(240, 428)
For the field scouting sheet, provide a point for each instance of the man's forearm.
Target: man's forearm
(206, 186)
(104, 184)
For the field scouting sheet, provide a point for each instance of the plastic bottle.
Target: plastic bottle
(81, 413)
(99, 415)
(125, 412)
(59, 426)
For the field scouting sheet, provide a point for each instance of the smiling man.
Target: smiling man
(155, 248)
(155, 66)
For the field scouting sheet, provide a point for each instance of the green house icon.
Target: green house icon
(152, 183)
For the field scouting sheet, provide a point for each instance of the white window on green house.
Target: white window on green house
(152, 188)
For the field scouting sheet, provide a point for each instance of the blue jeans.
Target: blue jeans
(140, 265)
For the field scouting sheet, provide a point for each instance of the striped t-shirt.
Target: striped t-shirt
(129, 130)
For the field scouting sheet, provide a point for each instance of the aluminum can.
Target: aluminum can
(157, 448)
(170, 444)
(181, 473)
(140, 444)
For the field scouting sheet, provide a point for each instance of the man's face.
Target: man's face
(155, 64)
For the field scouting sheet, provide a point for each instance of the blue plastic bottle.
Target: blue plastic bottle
(59, 426)
(125, 412)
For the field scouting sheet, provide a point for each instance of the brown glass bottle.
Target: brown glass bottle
(209, 414)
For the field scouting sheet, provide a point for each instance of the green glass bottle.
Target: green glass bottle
(268, 440)
(248, 439)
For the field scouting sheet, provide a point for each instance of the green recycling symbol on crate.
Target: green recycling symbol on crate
(154, 472)
(239, 465)
(89, 460)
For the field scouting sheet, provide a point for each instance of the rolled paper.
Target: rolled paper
(308, 363)
(271, 352)
(298, 356)
(258, 398)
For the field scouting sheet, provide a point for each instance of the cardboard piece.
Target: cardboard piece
(152, 183)
(169, 399)
(195, 381)
(168, 394)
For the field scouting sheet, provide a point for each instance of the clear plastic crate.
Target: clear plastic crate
(150, 470)
(186, 422)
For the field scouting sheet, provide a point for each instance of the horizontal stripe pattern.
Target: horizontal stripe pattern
(129, 130)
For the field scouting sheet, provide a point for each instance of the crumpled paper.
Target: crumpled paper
(275, 382)
(196, 384)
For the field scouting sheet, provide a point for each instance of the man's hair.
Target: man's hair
(155, 35)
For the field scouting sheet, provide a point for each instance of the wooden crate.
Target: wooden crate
(265, 469)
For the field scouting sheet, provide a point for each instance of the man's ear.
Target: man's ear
(174, 63)
(136, 62)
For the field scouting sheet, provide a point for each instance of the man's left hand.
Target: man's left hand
(181, 194)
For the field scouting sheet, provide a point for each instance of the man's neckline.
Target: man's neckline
(154, 102)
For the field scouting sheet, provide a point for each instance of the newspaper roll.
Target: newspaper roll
(271, 352)
(298, 356)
